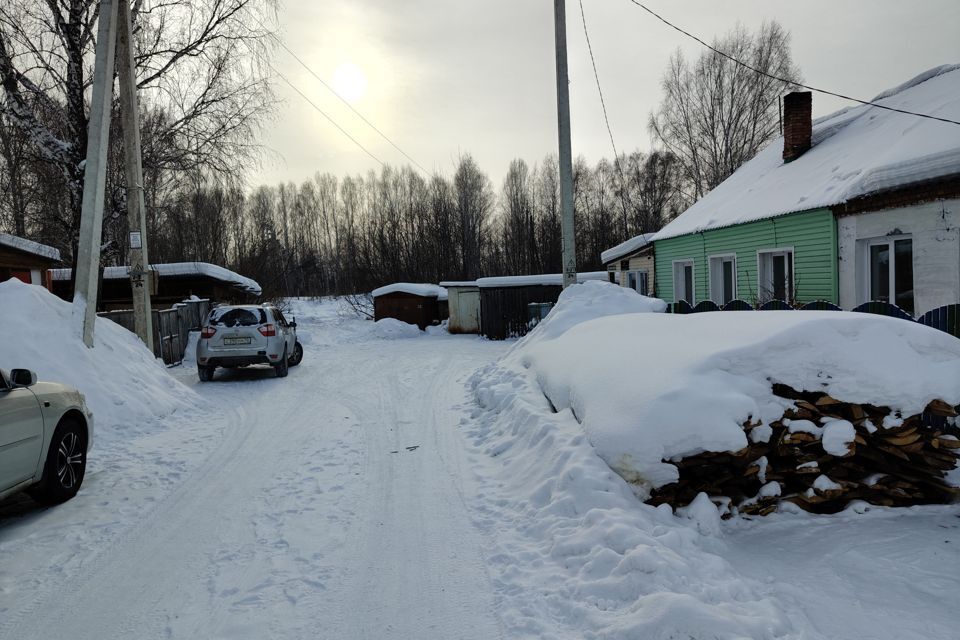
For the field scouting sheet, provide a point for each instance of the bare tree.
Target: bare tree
(717, 114)
(203, 91)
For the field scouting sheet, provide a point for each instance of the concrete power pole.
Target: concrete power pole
(114, 16)
(130, 116)
(566, 165)
(95, 172)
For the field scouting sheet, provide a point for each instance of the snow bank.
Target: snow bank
(413, 288)
(124, 384)
(393, 329)
(652, 387)
(575, 553)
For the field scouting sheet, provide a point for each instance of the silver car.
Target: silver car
(236, 336)
(46, 431)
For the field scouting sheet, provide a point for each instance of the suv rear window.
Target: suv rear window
(237, 317)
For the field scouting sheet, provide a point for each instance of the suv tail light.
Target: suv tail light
(207, 333)
(267, 330)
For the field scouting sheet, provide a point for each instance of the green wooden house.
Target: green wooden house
(853, 207)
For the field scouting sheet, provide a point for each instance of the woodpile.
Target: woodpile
(824, 453)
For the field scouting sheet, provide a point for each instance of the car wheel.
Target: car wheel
(66, 464)
(282, 367)
(205, 373)
(297, 356)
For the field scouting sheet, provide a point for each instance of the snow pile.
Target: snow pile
(589, 301)
(122, 381)
(414, 289)
(652, 387)
(575, 553)
(393, 329)
(856, 151)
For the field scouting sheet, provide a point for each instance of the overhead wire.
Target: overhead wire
(282, 45)
(784, 80)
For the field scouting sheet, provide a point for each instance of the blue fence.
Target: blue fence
(946, 318)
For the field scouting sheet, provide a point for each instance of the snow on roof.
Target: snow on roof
(29, 246)
(555, 279)
(856, 151)
(458, 283)
(175, 269)
(624, 248)
(414, 289)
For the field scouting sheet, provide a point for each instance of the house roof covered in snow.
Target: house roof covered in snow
(545, 279)
(856, 151)
(29, 246)
(413, 288)
(179, 269)
(626, 248)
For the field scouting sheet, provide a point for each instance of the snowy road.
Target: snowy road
(329, 504)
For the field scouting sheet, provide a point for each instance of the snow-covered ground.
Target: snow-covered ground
(422, 488)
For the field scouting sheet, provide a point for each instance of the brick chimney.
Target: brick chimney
(797, 124)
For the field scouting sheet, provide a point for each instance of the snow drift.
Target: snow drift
(122, 381)
(576, 553)
(653, 387)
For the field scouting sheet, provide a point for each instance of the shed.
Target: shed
(504, 301)
(631, 264)
(414, 303)
(176, 281)
(464, 306)
(26, 260)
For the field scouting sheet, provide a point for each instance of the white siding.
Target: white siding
(932, 226)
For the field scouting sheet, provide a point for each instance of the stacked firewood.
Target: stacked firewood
(824, 453)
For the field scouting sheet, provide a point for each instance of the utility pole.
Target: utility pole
(95, 172)
(112, 51)
(130, 116)
(566, 165)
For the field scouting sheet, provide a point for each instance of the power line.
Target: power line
(596, 75)
(324, 114)
(784, 80)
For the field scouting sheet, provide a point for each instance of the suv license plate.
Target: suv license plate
(236, 341)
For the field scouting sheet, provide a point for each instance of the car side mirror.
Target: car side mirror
(294, 324)
(23, 378)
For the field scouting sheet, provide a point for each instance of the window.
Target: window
(890, 271)
(776, 274)
(632, 280)
(638, 281)
(644, 287)
(723, 279)
(683, 282)
(613, 276)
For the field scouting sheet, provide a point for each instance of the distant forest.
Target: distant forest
(205, 90)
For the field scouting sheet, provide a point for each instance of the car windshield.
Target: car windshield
(233, 317)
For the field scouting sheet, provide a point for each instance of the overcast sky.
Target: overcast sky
(445, 77)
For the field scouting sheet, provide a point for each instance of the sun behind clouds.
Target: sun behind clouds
(350, 82)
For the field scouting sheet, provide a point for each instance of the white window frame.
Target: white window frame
(683, 263)
(716, 276)
(762, 288)
(639, 275)
(864, 293)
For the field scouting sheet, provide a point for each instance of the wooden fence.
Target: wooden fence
(171, 327)
(946, 318)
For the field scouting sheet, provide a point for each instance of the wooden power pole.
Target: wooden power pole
(111, 50)
(566, 163)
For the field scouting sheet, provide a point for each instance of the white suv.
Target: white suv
(236, 336)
